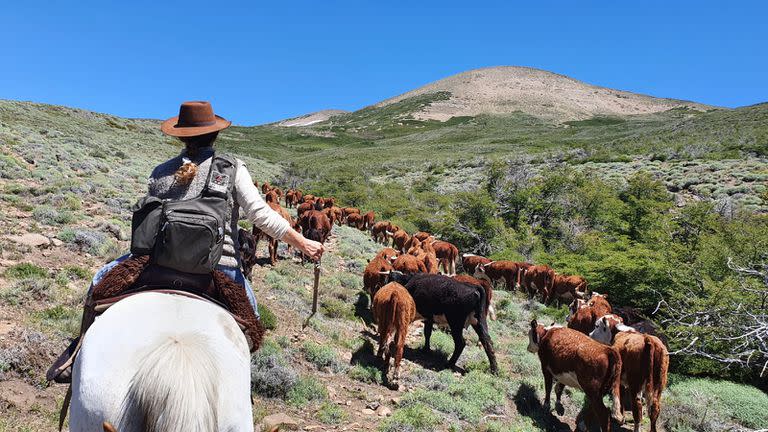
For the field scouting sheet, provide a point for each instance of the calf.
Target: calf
(442, 299)
(470, 261)
(467, 279)
(393, 310)
(446, 254)
(567, 287)
(644, 364)
(572, 359)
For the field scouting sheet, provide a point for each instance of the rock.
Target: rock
(279, 420)
(30, 239)
(368, 411)
(56, 242)
(383, 411)
(395, 400)
(7, 263)
(373, 405)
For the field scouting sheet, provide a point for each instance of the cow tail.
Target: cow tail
(614, 384)
(649, 359)
(390, 320)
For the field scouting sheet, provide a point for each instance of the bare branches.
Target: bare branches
(732, 331)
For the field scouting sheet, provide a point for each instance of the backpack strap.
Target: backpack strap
(221, 176)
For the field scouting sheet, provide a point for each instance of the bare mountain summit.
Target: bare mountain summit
(550, 96)
(311, 118)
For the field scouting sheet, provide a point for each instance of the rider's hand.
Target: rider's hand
(312, 249)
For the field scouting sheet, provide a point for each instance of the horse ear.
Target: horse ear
(108, 427)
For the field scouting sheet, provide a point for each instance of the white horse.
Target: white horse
(162, 363)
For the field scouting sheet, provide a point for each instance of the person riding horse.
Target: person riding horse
(217, 186)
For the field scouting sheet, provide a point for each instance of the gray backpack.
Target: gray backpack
(186, 235)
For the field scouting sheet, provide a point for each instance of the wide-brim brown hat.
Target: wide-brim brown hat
(195, 118)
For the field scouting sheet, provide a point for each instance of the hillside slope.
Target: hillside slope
(542, 94)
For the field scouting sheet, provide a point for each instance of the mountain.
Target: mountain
(542, 94)
(311, 118)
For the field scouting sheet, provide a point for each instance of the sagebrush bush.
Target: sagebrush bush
(330, 413)
(367, 374)
(306, 390)
(708, 405)
(413, 418)
(51, 216)
(271, 375)
(322, 356)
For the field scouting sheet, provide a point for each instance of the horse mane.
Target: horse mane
(174, 388)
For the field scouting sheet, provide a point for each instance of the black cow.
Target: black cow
(443, 299)
(248, 244)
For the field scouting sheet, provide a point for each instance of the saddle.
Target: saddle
(137, 274)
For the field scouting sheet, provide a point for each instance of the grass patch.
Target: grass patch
(26, 270)
(61, 319)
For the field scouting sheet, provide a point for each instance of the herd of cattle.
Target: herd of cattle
(600, 351)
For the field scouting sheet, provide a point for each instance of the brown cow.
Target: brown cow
(470, 261)
(372, 277)
(399, 239)
(644, 364)
(422, 235)
(336, 214)
(308, 197)
(447, 254)
(488, 291)
(315, 226)
(387, 253)
(409, 264)
(330, 202)
(425, 253)
(584, 315)
(328, 211)
(368, 220)
(354, 220)
(265, 187)
(273, 243)
(278, 192)
(304, 207)
(379, 231)
(572, 359)
(539, 279)
(290, 198)
(348, 211)
(271, 197)
(508, 271)
(393, 310)
(567, 288)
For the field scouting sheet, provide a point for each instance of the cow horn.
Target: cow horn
(389, 233)
(487, 264)
(385, 272)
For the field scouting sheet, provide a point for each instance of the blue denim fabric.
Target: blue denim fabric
(234, 273)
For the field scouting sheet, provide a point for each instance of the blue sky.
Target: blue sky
(260, 63)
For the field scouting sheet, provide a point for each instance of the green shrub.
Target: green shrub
(26, 270)
(415, 418)
(708, 405)
(62, 319)
(330, 413)
(268, 319)
(306, 390)
(335, 308)
(50, 216)
(367, 374)
(322, 356)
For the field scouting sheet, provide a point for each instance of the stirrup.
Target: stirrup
(61, 370)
